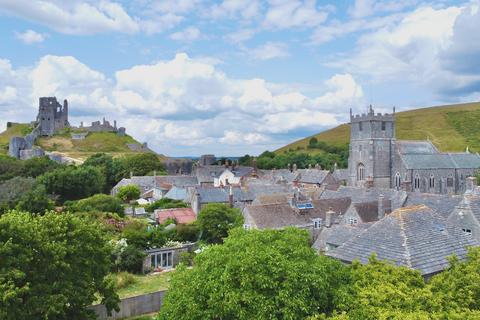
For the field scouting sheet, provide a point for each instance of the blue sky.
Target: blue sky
(233, 77)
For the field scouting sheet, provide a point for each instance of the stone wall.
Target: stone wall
(133, 306)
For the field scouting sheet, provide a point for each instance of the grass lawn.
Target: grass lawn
(146, 284)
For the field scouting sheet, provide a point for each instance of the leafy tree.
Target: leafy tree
(37, 166)
(73, 183)
(128, 193)
(135, 232)
(269, 274)
(140, 164)
(12, 190)
(52, 267)
(187, 232)
(131, 259)
(9, 168)
(312, 143)
(97, 203)
(215, 220)
(106, 163)
(246, 160)
(36, 200)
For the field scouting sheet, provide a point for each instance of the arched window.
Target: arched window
(431, 182)
(360, 172)
(416, 182)
(398, 180)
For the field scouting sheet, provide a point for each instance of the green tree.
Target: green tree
(128, 193)
(73, 183)
(36, 200)
(269, 274)
(9, 168)
(12, 190)
(97, 203)
(37, 166)
(215, 220)
(52, 267)
(140, 164)
(106, 163)
(165, 203)
(312, 143)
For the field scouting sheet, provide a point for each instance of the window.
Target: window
(317, 223)
(450, 182)
(360, 172)
(431, 182)
(398, 180)
(352, 221)
(416, 182)
(162, 260)
(360, 126)
(246, 226)
(467, 231)
(384, 125)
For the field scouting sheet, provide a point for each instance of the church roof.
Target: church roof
(441, 203)
(416, 237)
(415, 147)
(441, 161)
(312, 176)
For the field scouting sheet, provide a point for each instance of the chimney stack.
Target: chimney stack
(471, 184)
(197, 205)
(381, 210)
(294, 167)
(329, 217)
(230, 197)
(254, 164)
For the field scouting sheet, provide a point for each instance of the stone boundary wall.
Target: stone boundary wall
(133, 306)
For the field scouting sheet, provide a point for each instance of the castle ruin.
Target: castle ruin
(52, 117)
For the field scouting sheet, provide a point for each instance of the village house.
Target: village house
(165, 258)
(179, 215)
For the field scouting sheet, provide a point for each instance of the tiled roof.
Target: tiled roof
(338, 234)
(359, 195)
(146, 183)
(441, 203)
(311, 176)
(280, 215)
(216, 195)
(207, 174)
(177, 193)
(416, 237)
(415, 147)
(181, 215)
(341, 174)
(441, 161)
(241, 171)
(368, 211)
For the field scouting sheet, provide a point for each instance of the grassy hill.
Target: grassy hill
(107, 142)
(450, 128)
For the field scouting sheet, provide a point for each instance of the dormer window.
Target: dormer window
(317, 223)
(466, 231)
(352, 221)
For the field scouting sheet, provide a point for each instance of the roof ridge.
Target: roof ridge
(405, 241)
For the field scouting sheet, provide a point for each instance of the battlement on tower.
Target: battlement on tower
(371, 116)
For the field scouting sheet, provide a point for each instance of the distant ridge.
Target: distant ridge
(450, 127)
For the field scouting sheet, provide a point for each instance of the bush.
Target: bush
(97, 203)
(128, 193)
(165, 203)
(131, 259)
(124, 279)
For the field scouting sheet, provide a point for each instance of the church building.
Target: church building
(378, 159)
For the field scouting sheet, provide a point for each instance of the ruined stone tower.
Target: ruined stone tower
(372, 143)
(52, 116)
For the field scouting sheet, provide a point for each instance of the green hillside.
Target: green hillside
(450, 128)
(107, 142)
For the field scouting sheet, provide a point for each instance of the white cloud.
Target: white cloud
(240, 36)
(30, 36)
(182, 105)
(284, 14)
(269, 50)
(365, 8)
(188, 34)
(87, 17)
(246, 10)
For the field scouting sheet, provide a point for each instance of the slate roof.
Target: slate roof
(416, 237)
(181, 215)
(441, 161)
(312, 176)
(177, 193)
(341, 174)
(241, 171)
(441, 203)
(278, 175)
(280, 215)
(146, 183)
(338, 234)
(220, 195)
(359, 195)
(207, 174)
(415, 147)
(368, 211)
(272, 198)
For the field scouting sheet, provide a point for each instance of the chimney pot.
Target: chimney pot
(470, 184)
(381, 210)
(329, 217)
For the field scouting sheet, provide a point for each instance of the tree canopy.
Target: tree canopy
(270, 274)
(97, 203)
(215, 220)
(128, 193)
(52, 266)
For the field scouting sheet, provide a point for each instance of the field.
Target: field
(450, 128)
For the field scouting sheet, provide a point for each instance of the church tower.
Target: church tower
(372, 142)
